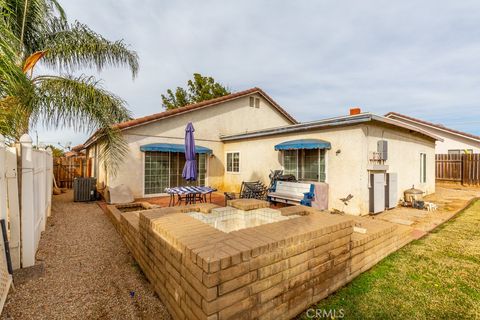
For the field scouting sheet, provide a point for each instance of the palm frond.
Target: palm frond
(13, 118)
(15, 88)
(57, 9)
(81, 103)
(28, 23)
(70, 47)
(113, 149)
(77, 102)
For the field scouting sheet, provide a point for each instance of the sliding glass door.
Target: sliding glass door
(164, 170)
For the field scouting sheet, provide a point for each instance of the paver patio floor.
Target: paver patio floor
(87, 272)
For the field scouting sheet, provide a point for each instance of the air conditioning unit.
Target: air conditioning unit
(84, 189)
(382, 149)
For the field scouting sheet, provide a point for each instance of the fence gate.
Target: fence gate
(66, 169)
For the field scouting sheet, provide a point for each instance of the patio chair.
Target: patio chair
(277, 175)
(248, 190)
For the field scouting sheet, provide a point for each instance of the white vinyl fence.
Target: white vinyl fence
(26, 180)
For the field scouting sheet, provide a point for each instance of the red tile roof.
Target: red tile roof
(195, 106)
(438, 126)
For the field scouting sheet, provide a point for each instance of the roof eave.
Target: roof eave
(333, 122)
(92, 139)
(406, 126)
(432, 125)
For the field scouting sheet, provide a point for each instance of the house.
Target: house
(76, 151)
(454, 141)
(155, 160)
(242, 136)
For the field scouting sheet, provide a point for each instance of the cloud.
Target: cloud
(316, 58)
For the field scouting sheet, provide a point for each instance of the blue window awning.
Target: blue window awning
(172, 147)
(303, 144)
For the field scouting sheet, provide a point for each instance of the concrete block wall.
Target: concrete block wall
(274, 271)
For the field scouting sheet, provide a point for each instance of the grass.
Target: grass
(437, 277)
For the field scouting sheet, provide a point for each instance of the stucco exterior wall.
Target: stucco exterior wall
(450, 141)
(403, 157)
(347, 163)
(230, 117)
(343, 171)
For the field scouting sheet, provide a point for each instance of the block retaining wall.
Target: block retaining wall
(273, 271)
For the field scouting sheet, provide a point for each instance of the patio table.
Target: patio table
(190, 194)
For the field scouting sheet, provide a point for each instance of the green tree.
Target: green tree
(34, 31)
(56, 152)
(199, 89)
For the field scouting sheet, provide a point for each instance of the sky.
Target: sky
(315, 58)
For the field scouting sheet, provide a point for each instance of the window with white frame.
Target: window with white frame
(233, 162)
(254, 102)
(423, 167)
(305, 164)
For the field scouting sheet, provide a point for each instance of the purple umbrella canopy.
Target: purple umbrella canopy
(190, 169)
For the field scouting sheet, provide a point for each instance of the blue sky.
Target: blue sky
(315, 58)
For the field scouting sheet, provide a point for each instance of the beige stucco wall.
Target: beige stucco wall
(226, 118)
(347, 171)
(403, 156)
(450, 141)
(343, 171)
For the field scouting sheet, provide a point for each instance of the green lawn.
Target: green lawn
(437, 277)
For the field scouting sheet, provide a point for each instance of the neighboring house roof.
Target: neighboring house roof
(78, 147)
(398, 116)
(329, 123)
(197, 106)
(74, 153)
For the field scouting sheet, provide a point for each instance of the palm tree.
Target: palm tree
(37, 31)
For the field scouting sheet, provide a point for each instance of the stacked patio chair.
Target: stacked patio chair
(277, 175)
(248, 190)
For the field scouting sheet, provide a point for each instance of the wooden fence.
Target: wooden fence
(460, 168)
(67, 169)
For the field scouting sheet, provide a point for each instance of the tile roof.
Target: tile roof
(393, 115)
(196, 106)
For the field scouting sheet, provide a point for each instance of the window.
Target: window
(254, 102)
(233, 162)
(164, 170)
(305, 164)
(423, 168)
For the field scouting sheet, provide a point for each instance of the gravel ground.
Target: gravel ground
(87, 272)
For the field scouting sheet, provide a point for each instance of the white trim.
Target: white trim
(423, 170)
(239, 162)
(298, 164)
(143, 174)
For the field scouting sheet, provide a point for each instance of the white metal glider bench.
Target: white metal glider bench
(292, 193)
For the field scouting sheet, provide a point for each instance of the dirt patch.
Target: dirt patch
(21, 276)
(88, 272)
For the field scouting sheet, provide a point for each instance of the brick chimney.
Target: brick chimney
(355, 110)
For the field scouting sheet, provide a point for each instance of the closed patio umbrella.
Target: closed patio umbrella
(190, 169)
